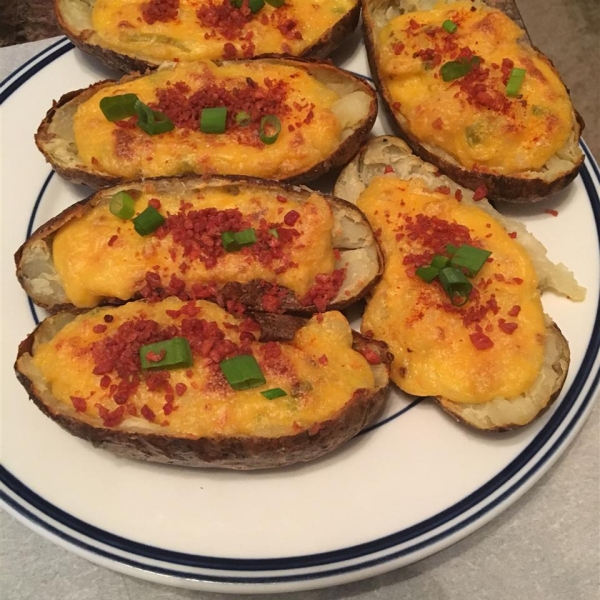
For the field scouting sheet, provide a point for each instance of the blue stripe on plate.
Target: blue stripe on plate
(362, 550)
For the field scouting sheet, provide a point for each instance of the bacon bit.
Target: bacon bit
(291, 217)
(507, 327)
(552, 212)
(108, 318)
(512, 234)
(442, 189)
(371, 356)
(388, 169)
(281, 198)
(514, 311)
(481, 341)
(147, 413)
(398, 48)
(155, 356)
(99, 328)
(368, 333)
(272, 299)
(168, 408)
(79, 403)
(105, 382)
(412, 24)
(438, 123)
(154, 203)
(113, 239)
(324, 289)
(337, 254)
(160, 10)
(458, 195)
(323, 360)
(111, 418)
(480, 193)
(517, 280)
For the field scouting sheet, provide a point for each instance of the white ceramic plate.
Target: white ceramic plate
(408, 487)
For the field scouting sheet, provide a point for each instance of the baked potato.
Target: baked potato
(282, 119)
(459, 300)
(135, 36)
(187, 383)
(468, 93)
(306, 251)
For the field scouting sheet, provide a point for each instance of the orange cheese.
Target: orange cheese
(289, 29)
(472, 118)
(315, 391)
(99, 255)
(434, 343)
(310, 130)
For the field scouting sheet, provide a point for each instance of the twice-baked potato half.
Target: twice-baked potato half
(187, 383)
(469, 94)
(459, 300)
(288, 120)
(243, 242)
(135, 36)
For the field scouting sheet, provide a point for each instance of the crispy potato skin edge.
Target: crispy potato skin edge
(343, 154)
(322, 48)
(241, 453)
(249, 294)
(500, 187)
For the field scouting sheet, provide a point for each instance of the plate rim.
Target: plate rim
(23, 503)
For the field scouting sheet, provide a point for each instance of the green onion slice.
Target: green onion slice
(270, 126)
(147, 221)
(470, 259)
(456, 285)
(427, 274)
(213, 120)
(515, 81)
(274, 233)
(455, 69)
(273, 393)
(243, 118)
(242, 372)
(232, 242)
(177, 354)
(450, 249)
(122, 205)
(151, 121)
(449, 26)
(115, 108)
(255, 5)
(439, 261)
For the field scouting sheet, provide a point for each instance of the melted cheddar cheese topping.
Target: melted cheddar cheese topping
(493, 346)
(310, 130)
(200, 401)
(472, 118)
(99, 255)
(213, 29)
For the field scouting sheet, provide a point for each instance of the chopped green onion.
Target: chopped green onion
(243, 118)
(213, 120)
(450, 249)
(455, 69)
(255, 5)
(115, 108)
(439, 261)
(456, 285)
(175, 353)
(515, 81)
(269, 123)
(122, 205)
(427, 274)
(449, 26)
(276, 3)
(232, 242)
(273, 393)
(147, 221)
(242, 372)
(274, 233)
(151, 121)
(470, 259)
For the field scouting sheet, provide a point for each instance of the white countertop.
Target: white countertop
(546, 546)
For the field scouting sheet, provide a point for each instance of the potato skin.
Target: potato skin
(97, 179)
(240, 453)
(322, 48)
(249, 294)
(499, 187)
